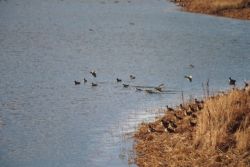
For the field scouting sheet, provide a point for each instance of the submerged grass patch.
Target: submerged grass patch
(215, 132)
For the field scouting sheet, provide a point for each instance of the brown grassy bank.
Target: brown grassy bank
(213, 133)
(229, 8)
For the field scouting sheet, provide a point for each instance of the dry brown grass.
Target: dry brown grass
(229, 8)
(220, 138)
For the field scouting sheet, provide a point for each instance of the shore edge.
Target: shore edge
(213, 132)
(238, 9)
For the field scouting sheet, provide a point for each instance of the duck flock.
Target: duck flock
(189, 109)
(149, 89)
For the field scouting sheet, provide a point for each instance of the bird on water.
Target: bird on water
(94, 84)
(93, 73)
(132, 77)
(118, 80)
(77, 82)
(232, 81)
(191, 65)
(138, 89)
(125, 85)
(190, 78)
(246, 84)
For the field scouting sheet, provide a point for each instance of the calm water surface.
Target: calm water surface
(47, 121)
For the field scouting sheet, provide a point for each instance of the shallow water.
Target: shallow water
(45, 120)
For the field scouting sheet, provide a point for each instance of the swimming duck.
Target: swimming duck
(232, 81)
(138, 89)
(94, 84)
(190, 78)
(191, 65)
(77, 82)
(132, 77)
(149, 91)
(158, 88)
(118, 80)
(93, 73)
(246, 84)
(125, 85)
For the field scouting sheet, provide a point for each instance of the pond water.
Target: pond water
(45, 120)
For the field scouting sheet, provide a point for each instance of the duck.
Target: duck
(192, 108)
(158, 89)
(132, 77)
(191, 65)
(232, 81)
(118, 80)
(177, 116)
(194, 116)
(169, 108)
(93, 73)
(138, 89)
(246, 84)
(85, 80)
(149, 91)
(77, 82)
(189, 111)
(193, 122)
(151, 129)
(199, 104)
(182, 107)
(168, 125)
(125, 85)
(190, 78)
(246, 87)
(94, 84)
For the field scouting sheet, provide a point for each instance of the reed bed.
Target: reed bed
(215, 134)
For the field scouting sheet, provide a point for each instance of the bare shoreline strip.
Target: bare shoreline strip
(239, 9)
